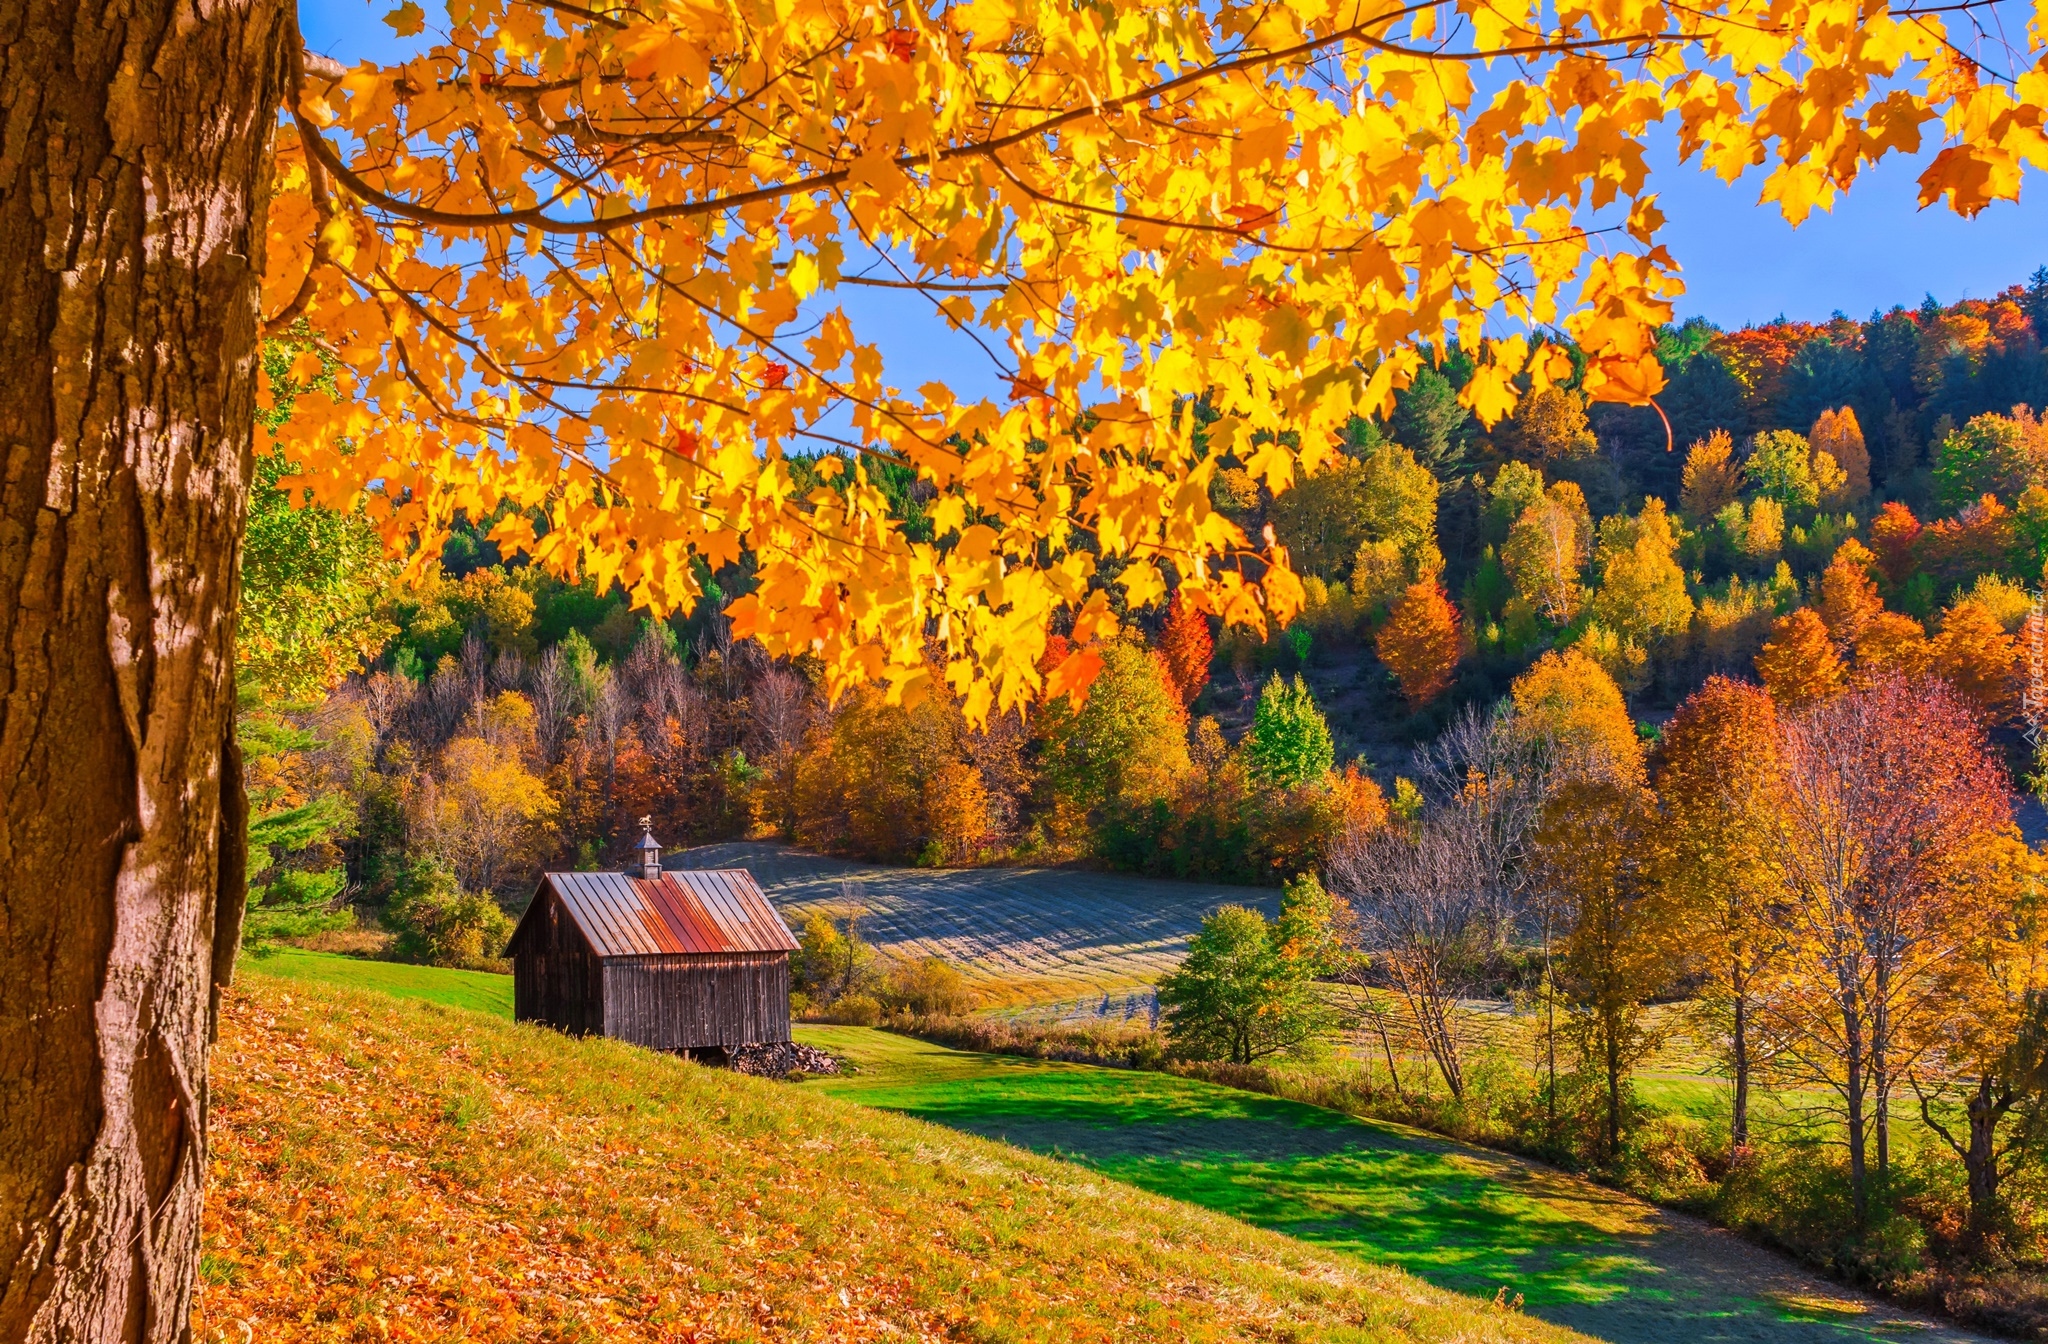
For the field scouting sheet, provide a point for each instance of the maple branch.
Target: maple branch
(1238, 232)
(972, 335)
(594, 16)
(798, 362)
(941, 287)
(537, 216)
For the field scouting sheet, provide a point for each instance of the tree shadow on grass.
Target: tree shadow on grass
(1468, 1221)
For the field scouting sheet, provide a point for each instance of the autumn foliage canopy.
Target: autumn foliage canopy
(590, 263)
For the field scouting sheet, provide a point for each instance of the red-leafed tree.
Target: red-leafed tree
(1185, 647)
(1888, 791)
(1893, 534)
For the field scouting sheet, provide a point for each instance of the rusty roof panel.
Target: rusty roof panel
(689, 912)
(695, 932)
(749, 921)
(718, 904)
(726, 907)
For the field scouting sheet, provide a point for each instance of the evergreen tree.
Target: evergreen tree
(1289, 744)
(1430, 422)
(2037, 303)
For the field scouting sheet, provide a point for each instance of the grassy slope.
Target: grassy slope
(481, 991)
(396, 1169)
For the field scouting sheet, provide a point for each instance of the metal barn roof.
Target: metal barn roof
(687, 911)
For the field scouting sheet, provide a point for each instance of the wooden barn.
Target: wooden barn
(677, 960)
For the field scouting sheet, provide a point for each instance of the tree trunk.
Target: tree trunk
(1852, 1095)
(1738, 1123)
(1880, 1069)
(1980, 1161)
(134, 172)
(1613, 1089)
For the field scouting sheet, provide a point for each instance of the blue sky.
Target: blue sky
(1742, 262)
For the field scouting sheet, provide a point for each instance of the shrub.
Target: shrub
(854, 1010)
(1660, 1160)
(929, 987)
(439, 923)
(1798, 1198)
(831, 958)
(1117, 1045)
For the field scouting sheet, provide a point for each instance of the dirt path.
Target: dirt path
(1022, 935)
(1466, 1219)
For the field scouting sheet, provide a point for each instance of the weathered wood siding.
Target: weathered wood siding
(697, 1001)
(556, 978)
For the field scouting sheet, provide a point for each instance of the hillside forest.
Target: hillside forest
(1839, 500)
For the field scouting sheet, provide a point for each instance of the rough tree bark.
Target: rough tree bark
(134, 170)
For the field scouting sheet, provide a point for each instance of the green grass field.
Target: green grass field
(1370, 1189)
(480, 991)
(1468, 1220)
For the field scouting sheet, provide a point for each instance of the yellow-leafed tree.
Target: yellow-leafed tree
(1712, 479)
(1570, 702)
(1717, 770)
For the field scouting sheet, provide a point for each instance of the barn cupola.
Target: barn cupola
(649, 850)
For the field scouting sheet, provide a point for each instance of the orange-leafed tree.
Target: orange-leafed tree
(1420, 642)
(581, 269)
(1838, 434)
(1717, 769)
(1360, 800)
(1848, 595)
(1892, 643)
(1798, 663)
(1974, 654)
(1185, 648)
